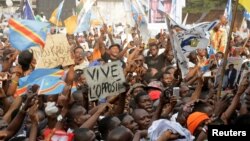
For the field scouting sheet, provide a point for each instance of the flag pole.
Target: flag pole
(227, 50)
(171, 38)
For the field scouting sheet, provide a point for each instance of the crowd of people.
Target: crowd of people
(158, 104)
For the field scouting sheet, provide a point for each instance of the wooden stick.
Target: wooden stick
(227, 50)
(246, 42)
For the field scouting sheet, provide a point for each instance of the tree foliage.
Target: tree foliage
(200, 6)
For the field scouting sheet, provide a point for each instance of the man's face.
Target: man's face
(130, 123)
(184, 91)
(114, 51)
(218, 56)
(139, 61)
(167, 6)
(143, 119)
(170, 55)
(78, 55)
(231, 67)
(223, 20)
(154, 5)
(153, 51)
(145, 103)
(81, 116)
(137, 90)
(201, 52)
(167, 79)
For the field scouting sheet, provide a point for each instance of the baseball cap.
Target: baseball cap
(155, 85)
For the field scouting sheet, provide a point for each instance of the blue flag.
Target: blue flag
(27, 11)
(85, 25)
(228, 11)
(50, 85)
(27, 33)
(38, 73)
(247, 15)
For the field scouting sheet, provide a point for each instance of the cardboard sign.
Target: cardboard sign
(105, 80)
(56, 52)
(236, 61)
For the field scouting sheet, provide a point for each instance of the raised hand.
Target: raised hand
(32, 112)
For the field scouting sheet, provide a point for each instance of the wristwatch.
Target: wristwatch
(59, 117)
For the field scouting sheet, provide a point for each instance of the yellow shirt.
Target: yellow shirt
(219, 39)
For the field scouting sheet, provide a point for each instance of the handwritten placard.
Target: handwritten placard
(55, 53)
(105, 80)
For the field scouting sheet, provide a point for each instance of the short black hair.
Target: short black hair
(25, 59)
(140, 94)
(104, 126)
(78, 48)
(115, 45)
(80, 134)
(122, 116)
(243, 120)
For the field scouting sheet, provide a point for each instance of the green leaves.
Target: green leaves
(201, 6)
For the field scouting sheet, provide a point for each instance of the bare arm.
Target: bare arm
(17, 73)
(16, 104)
(198, 90)
(16, 123)
(70, 76)
(90, 123)
(227, 114)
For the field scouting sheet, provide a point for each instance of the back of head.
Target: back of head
(120, 134)
(82, 134)
(104, 126)
(243, 120)
(24, 59)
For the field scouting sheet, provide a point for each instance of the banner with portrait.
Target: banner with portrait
(159, 8)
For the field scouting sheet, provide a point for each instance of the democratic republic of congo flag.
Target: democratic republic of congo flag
(50, 85)
(35, 77)
(27, 33)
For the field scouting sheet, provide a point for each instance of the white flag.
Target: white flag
(196, 37)
(181, 60)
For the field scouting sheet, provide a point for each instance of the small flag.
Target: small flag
(38, 73)
(71, 24)
(228, 13)
(84, 17)
(181, 60)
(55, 16)
(196, 37)
(84, 23)
(246, 4)
(50, 85)
(136, 15)
(27, 33)
(36, 77)
(74, 88)
(27, 11)
(247, 15)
